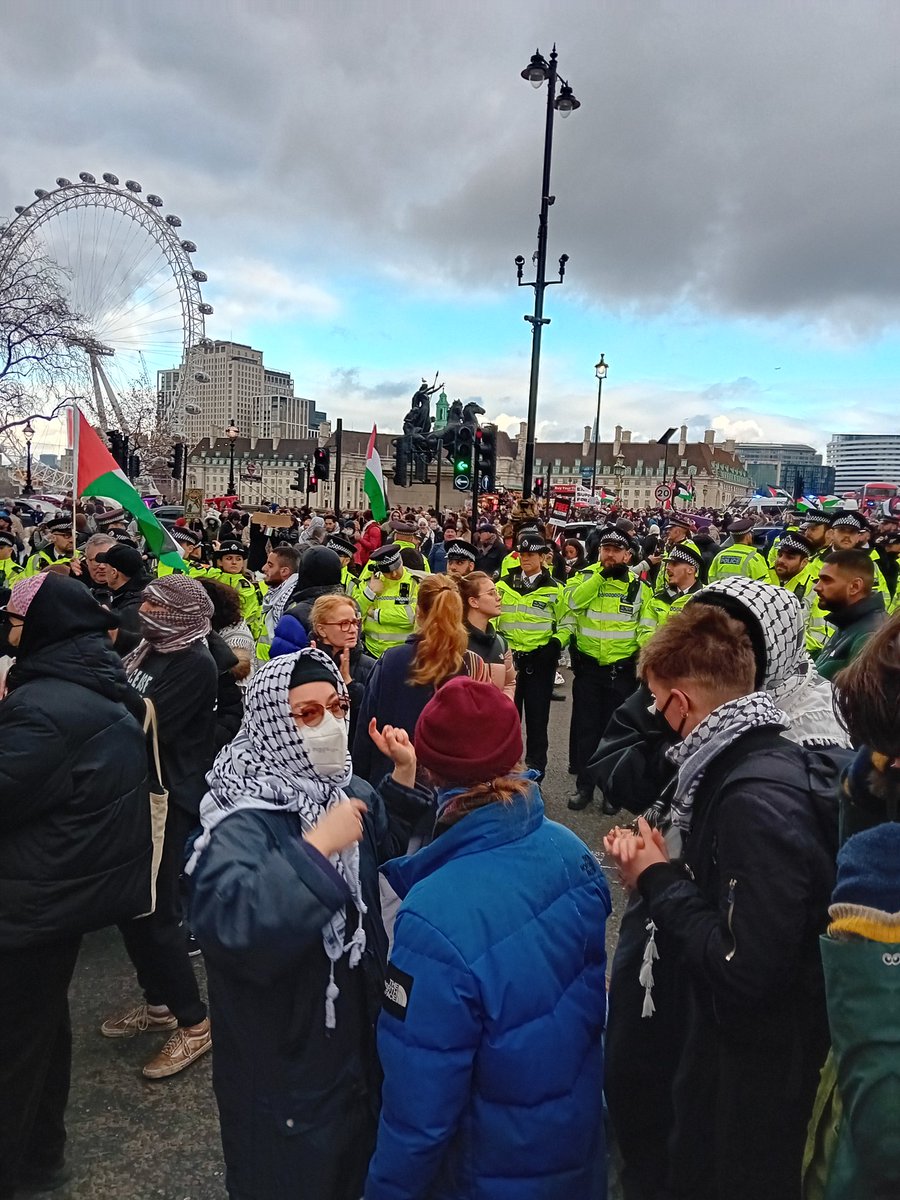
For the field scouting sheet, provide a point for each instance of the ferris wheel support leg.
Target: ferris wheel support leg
(111, 396)
(98, 396)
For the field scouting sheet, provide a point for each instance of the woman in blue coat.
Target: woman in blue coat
(286, 908)
(491, 1031)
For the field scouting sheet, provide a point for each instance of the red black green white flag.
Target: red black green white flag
(98, 474)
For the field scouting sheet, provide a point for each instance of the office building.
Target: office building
(860, 458)
(772, 464)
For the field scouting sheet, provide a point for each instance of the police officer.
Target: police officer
(741, 558)
(611, 614)
(531, 620)
(230, 568)
(851, 531)
(10, 571)
(678, 530)
(191, 547)
(387, 601)
(815, 529)
(344, 548)
(61, 550)
(460, 559)
(683, 567)
(790, 568)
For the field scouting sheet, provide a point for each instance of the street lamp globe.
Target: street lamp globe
(28, 432)
(537, 70)
(231, 433)
(600, 368)
(566, 102)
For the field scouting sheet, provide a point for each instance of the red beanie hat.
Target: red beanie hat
(469, 733)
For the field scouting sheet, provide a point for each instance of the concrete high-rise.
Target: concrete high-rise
(240, 388)
(860, 458)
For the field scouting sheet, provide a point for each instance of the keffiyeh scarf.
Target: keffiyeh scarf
(275, 602)
(266, 767)
(715, 733)
(186, 619)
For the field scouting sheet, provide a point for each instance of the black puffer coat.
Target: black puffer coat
(74, 806)
(319, 574)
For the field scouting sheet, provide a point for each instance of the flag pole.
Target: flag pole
(75, 424)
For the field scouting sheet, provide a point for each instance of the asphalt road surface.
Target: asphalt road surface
(133, 1139)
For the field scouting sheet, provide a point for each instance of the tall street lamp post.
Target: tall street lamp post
(600, 372)
(537, 72)
(232, 434)
(28, 432)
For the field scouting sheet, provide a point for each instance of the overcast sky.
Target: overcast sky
(359, 177)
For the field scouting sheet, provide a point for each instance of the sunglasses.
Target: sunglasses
(311, 713)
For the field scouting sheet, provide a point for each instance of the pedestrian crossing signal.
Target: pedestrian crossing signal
(463, 459)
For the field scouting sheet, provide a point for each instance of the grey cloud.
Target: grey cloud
(738, 160)
(346, 382)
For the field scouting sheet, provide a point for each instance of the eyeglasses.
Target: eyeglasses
(311, 712)
(489, 592)
(344, 626)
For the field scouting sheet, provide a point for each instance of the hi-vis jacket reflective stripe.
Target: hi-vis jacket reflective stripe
(530, 617)
(610, 618)
(738, 560)
(44, 558)
(389, 618)
(349, 581)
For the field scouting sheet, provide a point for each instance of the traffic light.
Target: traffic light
(486, 458)
(322, 458)
(463, 457)
(312, 484)
(298, 486)
(420, 465)
(134, 466)
(539, 486)
(176, 463)
(402, 454)
(115, 445)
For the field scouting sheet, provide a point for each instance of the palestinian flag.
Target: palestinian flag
(829, 502)
(606, 496)
(98, 474)
(373, 481)
(683, 492)
(807, 504)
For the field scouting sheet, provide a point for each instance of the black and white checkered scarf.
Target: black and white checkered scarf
(266, 767)
(715, 733)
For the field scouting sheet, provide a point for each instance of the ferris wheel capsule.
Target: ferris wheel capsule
(200, 276)
(202, 377)
(110, 178)
(154, 200)
(61, 181)
(132, 185)
(206, 309)
(20, 208)
(41, 193)
(189, 247)
(86, 177)
(172, 220)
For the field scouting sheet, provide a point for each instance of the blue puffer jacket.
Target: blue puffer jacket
(495, 1003)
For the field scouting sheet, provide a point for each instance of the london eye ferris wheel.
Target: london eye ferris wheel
(126, 272)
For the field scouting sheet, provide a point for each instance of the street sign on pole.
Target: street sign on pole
(663, 492)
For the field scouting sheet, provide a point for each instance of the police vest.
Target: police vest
(388, 618)
(530, 617)
(738, 560)
(612, 617)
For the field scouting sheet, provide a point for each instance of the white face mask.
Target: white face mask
(326, 745)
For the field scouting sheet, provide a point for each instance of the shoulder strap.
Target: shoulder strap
(150, 724)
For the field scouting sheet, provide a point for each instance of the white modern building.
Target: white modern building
(860, 458)
(239, 387)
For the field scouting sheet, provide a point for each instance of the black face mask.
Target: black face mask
(5, 647)
(619, 571)
(659, 719)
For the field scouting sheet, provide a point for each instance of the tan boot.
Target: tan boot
(184, 1046)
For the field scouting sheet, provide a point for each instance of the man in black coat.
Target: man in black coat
(125, 583)
(74, 848)
(319, 574)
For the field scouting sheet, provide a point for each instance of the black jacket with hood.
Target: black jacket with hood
(319, 574)
(74, 806)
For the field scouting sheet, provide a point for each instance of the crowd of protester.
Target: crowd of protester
(315, 755)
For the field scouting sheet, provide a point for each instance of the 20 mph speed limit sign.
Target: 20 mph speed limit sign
(663, 492)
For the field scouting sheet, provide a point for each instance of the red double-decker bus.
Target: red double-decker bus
(873, 495)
